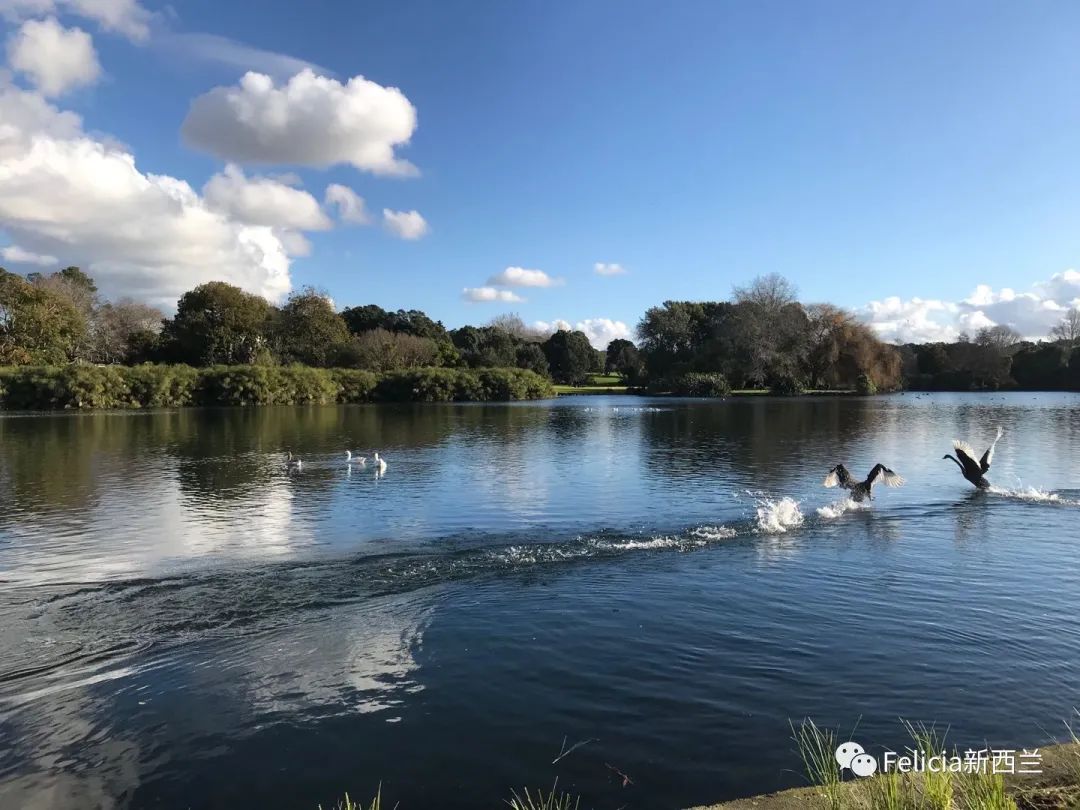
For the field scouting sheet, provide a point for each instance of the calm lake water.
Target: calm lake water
(185, 623)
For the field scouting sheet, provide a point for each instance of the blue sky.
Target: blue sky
(899, 153)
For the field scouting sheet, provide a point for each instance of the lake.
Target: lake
(663, 584)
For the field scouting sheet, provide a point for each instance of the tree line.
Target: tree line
(59, 318)
(996, 358)
(764, 337)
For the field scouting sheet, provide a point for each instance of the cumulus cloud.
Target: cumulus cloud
(1032, 313)
(350, 206)
(126, 17)
(55, 59)
(310, 120)
(485, 294)
(599, 331)
(82, 199)
(405, 224)
(18, 255)
(606, 269)
(263, 201)
(520, 277)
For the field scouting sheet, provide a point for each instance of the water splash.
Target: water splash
(837, 508)
(777, 516)
(1033, 495)
(711, 533)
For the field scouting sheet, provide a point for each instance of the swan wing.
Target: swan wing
(988, 456)
(832, 479)
(967, 457)
(890, 478)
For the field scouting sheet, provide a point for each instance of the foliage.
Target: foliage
(531, 356)
(382, 350)
(786, 385)
(148, 386)
(699, 384)
(1042, 367)
(354, 385)
(408, 322)
(865, 385)
(485, 346)
(765, 338)
(624, 359)
(218, 323)
(307, 330)
(37, 324)
(152, 386)
(570, 357)
(124, 331)
(461, 385)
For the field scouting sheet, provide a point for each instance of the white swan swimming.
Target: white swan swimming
(379, 462)
(349, 459)
(293, 463)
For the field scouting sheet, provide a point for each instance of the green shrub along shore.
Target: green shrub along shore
(173, 386)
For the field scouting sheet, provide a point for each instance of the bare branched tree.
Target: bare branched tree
(1001, 337)
(1069, 328)
(771, 292)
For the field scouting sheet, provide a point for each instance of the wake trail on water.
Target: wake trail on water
(223, 604)
(837, 508)
(1033, 495)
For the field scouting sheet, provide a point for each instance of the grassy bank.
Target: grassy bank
(1056, 787)
(597, 384)
(170, 386)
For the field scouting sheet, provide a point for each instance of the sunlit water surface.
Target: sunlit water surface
(186, 623)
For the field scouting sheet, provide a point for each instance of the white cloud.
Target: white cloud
(1032, 313)
(67, 194)
(17, 255)
(405, 224)
(349, 204)
(125, 17)
(310, 120)
(600, 331)
(485, 294)
(520, 277)
(606, 269)
(54, 58)
(263, 201)
(229, 52)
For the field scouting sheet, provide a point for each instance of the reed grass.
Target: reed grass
(349, 804)
(937, 786)
(817, 748)
(552, 800)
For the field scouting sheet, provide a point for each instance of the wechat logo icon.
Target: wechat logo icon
(853, 756)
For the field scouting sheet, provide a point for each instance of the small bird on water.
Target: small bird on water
(293, 463)
(861, 490)
(974, 471)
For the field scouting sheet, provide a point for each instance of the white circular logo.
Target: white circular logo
(863, 765)
(846, 752)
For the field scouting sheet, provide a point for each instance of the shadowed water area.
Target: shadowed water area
(187, 623)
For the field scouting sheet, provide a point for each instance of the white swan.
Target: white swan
(293, 463)
(361, 460)
(379, 462)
